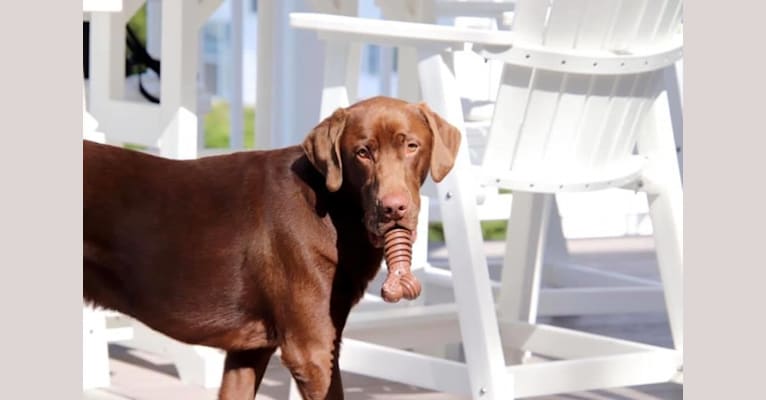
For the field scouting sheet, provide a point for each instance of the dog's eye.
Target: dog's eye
(363, 153)
(412, 147)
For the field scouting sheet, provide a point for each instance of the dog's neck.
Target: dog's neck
(343, 205)
(360, 260)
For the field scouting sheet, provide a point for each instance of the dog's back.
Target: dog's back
(153, 228)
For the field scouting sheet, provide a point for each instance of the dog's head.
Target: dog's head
(382, 149)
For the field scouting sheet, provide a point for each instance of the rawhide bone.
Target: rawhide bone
(400, 281)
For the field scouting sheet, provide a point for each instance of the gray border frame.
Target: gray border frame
(40, 210)
(724, 207)
(41, 219)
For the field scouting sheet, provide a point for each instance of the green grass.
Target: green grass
(218, 126)
(492, 230)
(137, 24)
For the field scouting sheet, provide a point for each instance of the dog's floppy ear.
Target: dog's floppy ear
(445, 145)
(322, 147)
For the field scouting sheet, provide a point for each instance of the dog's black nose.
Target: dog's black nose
(393, 206)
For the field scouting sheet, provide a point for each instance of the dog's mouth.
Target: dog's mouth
(376, 231)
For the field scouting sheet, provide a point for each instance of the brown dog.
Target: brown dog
(262, 249)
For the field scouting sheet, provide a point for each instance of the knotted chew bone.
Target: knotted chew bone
(400, 281)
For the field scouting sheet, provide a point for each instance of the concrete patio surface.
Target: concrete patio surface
(144, 376)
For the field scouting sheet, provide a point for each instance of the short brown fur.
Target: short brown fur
(260, 250)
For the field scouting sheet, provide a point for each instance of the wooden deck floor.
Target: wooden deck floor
(143, 376)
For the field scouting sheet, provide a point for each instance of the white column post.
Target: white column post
(179, 79)
(236, 134)
(95, 350)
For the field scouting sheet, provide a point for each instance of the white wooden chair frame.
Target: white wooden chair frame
(570, 289)
(580, 358)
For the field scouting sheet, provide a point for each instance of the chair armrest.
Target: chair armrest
(500, 45)
(396, 33)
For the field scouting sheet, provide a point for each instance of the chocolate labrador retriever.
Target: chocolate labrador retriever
(259, 250)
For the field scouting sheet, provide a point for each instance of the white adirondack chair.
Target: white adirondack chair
(583, 87)
(171, 127)
(579, 289)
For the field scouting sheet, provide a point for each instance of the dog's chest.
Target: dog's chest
(252, 334)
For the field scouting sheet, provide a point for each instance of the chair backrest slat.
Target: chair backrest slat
(597, 21)
(581, 122)
(650, 22)
(626, 24)
(515, 88)
(530, 20)
(543, 99)
(671, 18)
(563, 25)
(647, 92)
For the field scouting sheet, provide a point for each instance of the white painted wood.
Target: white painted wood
(179, 78)
(674, 87)
(197, 365)
(114, 335)
(479, 8)
(562, 343)
(267, 48)
(128, 121)
(478, 323)
(400, 33)
(525, 240)
(206, 8)
(289, 81)
(429, 330)
(236, 109)
(522, 262)
(662, 180)
(101, 5)
(421, 370)
(547, 378)
(337, 72)
(107, 71)
(95, 353)
(89, 124)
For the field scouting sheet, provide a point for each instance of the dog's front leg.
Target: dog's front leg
(243, 372)
(309, 353)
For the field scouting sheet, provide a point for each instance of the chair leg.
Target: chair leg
(473, 294)
(95, 349)
(522, 263)
(666, 212)
(555, 245)
(662, 182)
